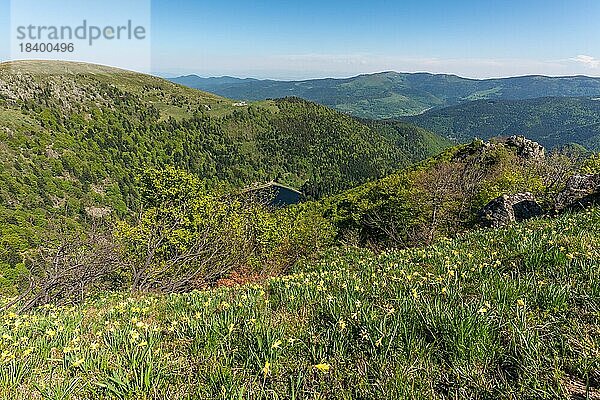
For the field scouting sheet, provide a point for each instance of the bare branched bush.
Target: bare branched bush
(209, 252)
(64, 270)
(556, 171)
(443, 195)
(396, 231)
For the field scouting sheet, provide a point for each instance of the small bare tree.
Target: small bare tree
(206, 257)
(556, 170)
(394, 230)
(175, 249)
(472, 177)
(442, 197)
(66, 269)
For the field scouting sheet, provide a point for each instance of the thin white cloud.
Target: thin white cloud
(353, 64)
(315, 65)
(588, 61)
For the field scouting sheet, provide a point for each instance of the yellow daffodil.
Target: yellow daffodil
(78, 362)
(276, 345)
(323, 367)
(266, 370)
(134, 335)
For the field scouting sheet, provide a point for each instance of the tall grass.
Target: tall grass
(508, 314)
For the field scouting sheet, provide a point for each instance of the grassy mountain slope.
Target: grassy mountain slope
(392, 95)
(497, 314)
(551, 121)
(74, 137)
(75, 84)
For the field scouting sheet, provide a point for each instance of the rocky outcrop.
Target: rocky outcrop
(581, 191)
(507, 209)
(524, 148)
(527, 149)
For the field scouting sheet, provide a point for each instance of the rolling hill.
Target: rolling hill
(551, 121)
(391, 94)
(75, 137)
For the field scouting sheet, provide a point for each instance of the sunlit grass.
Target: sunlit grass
(511, 313)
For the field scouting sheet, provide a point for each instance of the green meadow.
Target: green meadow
(510, 314)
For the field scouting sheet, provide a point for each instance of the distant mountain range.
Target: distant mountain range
(393, 95)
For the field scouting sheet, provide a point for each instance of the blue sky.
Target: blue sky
(306, 39)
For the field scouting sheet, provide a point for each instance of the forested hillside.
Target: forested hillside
(551, 121)
(75, 137)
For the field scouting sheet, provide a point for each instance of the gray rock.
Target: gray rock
(524, 148)
(581, 191)
(527, 149)
(507, 209)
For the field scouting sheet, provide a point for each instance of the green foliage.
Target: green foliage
(360, 214)
(171, 187)
(495, 314)
(417, 143)
(508, 174)
(591, 165)
(189, 236)
(286, 235)
(550, 121)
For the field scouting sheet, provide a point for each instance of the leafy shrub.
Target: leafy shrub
(286, 235)
(441, 196)
(192, 234)
(591, 165)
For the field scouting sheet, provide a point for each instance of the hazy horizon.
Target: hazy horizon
(170, 75)
(316, 39)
